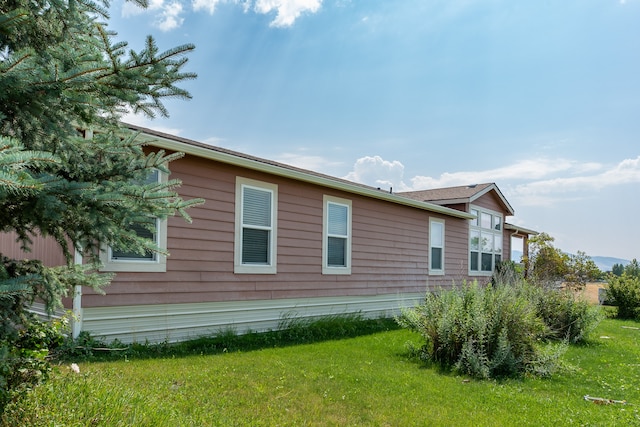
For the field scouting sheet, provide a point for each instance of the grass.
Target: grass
(366, 380)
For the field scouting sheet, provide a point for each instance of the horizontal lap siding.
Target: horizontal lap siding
(389, 247)
(456, 251)
(44, 249)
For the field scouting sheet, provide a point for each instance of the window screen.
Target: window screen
(256, 226)
(337, 224)
(436, 241)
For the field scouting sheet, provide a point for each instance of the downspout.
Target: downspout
(76, 319)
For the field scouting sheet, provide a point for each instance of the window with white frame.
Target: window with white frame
(120, 259)
(436, 246)
(485, 241)
(336, 246)
(256, 220)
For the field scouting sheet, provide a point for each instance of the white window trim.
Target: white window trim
(326, 269)
(158, 265)
(239, 267)
(478, 227)
(439, 271)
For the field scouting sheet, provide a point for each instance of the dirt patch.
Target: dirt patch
(591, 291)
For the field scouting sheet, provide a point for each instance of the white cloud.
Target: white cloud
(132, 9)
(207, 5)
(523, 170)
(169, 18)
(167, 15)
(534, 182)
(377, 172)
(287, 10)
(625, 172)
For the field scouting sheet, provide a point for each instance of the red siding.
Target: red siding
(389, 247)
(490, 201)
(45, 249)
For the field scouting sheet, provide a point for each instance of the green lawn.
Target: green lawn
(367, 380)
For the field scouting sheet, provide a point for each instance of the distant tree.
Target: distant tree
(549, 266)
(633, 268)
(547, 263)
(624, 292)
(617, 269)
(581, 269)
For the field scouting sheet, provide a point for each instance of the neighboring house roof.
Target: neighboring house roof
(460, 194)
(198, 149)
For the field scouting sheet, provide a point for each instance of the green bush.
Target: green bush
(499, 330)
(624, 292)
(23, 355)
(567, 315)
(484, 332)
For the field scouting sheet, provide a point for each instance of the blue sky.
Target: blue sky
(541, 97)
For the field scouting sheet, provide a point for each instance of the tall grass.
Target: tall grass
(290, 331)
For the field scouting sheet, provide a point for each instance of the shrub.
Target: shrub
(23, 355)
(499, 330)
(624, 292)
(485, 332)
(567, 315)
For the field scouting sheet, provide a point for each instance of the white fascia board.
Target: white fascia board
(198, 151)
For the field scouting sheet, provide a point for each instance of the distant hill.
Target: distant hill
(604, 263)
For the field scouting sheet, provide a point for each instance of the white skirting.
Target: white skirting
(178, 322)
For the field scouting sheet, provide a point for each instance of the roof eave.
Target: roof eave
(520, 230)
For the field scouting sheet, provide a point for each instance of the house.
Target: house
(489, 214)
(275, 241)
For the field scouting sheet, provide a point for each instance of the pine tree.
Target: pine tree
(61, 72)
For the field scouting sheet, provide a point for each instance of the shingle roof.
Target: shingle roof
(446, 194)
(460, 194)
(176, 143)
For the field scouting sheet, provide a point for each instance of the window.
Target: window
(436, 246)
(336, 247)
(117, 254)
(117, 259)
(485, 241)
(255, 242)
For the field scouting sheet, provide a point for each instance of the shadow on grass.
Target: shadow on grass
(292, 331)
